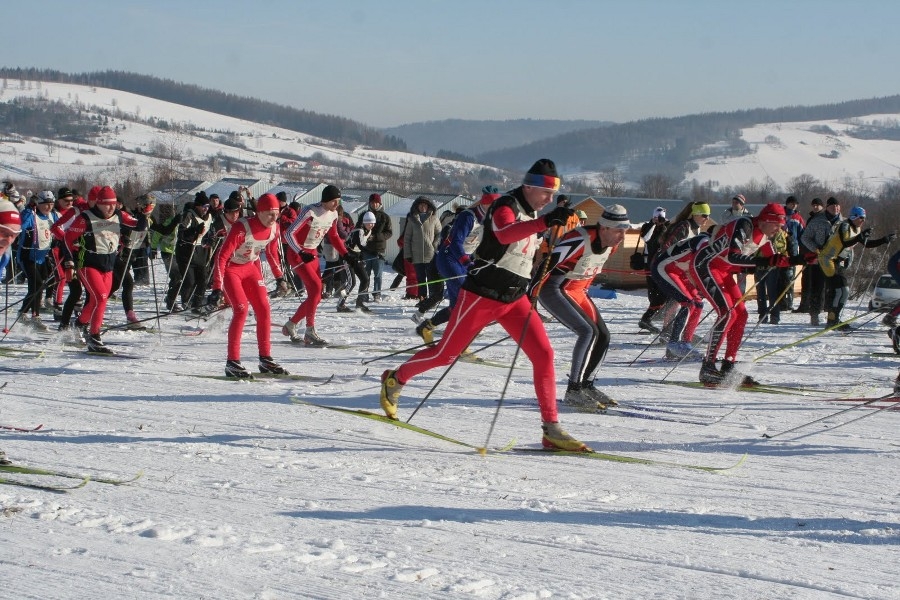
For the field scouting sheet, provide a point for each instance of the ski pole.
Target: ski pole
(835, 414)
(719, 319)
(404, 351)
(6, 311)
(878, 409)
(453, 364)
(155, 298)
(812, 335)
(783, 293)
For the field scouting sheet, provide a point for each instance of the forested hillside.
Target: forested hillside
(331, 127)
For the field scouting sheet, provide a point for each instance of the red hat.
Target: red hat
(92, 193)
(9, 216)
(489, 193)
(772, 213)
(106, 195)
(267, 202)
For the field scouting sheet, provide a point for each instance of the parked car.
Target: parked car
(887, 293)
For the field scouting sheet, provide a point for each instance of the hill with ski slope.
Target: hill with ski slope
(137, 136)
(141, 136)
(247, 493)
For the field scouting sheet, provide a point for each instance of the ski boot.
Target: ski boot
(710, 375)
(390, 393)
(733, 376)
(290, 329)
(581, 400)
(267, 365)
(555, 438)
(96, 345)
(234, 368)
(600, 396)
(425, 329)
(311, 338)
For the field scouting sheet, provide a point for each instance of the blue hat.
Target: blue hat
(857, 212)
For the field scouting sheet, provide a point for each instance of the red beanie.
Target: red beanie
(9, 216)
(267, 202)
(772, 213)
(106, 195)
(92, 193)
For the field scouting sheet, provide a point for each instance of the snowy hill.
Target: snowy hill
(245, 494)
(144, 132)
(822, 148)
(204, 145)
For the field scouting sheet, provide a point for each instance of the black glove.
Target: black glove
(890, 237)
(214, 298)
(281, 287)
(307, 257)
(351, 261)
(152, 254)
(865, 234)
(558, 216)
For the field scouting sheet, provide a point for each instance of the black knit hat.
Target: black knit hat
(543, 174)
(816, 201)
(282, 196)
(832, 201)
(200, 199)
(330, 193)
(231, 204)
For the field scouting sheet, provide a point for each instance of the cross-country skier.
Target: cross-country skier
(237, 275)
(574, 263)
(737, 247)
(91, 243)
(837, 254)
(303, 238)
(495, 290)
(454, 256)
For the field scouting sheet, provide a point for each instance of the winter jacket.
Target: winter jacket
(381, 233)
(422, 234)
(35, 239)
(818, 230)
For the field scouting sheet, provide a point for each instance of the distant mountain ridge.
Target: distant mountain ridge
(669, 145)
(474, 137)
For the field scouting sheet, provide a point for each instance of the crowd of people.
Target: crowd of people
(495, 261)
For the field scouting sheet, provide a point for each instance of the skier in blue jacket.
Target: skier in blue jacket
(454, 255)
(32, 254)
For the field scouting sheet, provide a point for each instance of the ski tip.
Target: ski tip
(482, 451)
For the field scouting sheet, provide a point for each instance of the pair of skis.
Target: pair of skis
(75, 482)
(511, 448)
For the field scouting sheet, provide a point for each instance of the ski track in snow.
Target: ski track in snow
(247, 495)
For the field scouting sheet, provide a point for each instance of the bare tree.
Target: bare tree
(611, 184)
(805, 187)
(657, 186)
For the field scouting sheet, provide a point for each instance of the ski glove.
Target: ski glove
(351, 261)
(558, 216)
(779, 261)
(865, 234)
(281, 287)
(214, 298)
(306, 257)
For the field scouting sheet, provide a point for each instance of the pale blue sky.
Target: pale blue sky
(388, 62)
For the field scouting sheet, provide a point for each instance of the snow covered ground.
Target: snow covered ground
(248, 495)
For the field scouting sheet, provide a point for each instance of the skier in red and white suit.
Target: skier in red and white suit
(737, 247)
(574, 263)
(495, 290)
(238, 273)
(303, 237)
(92, 243)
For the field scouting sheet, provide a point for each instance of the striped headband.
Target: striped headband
(548, 182)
